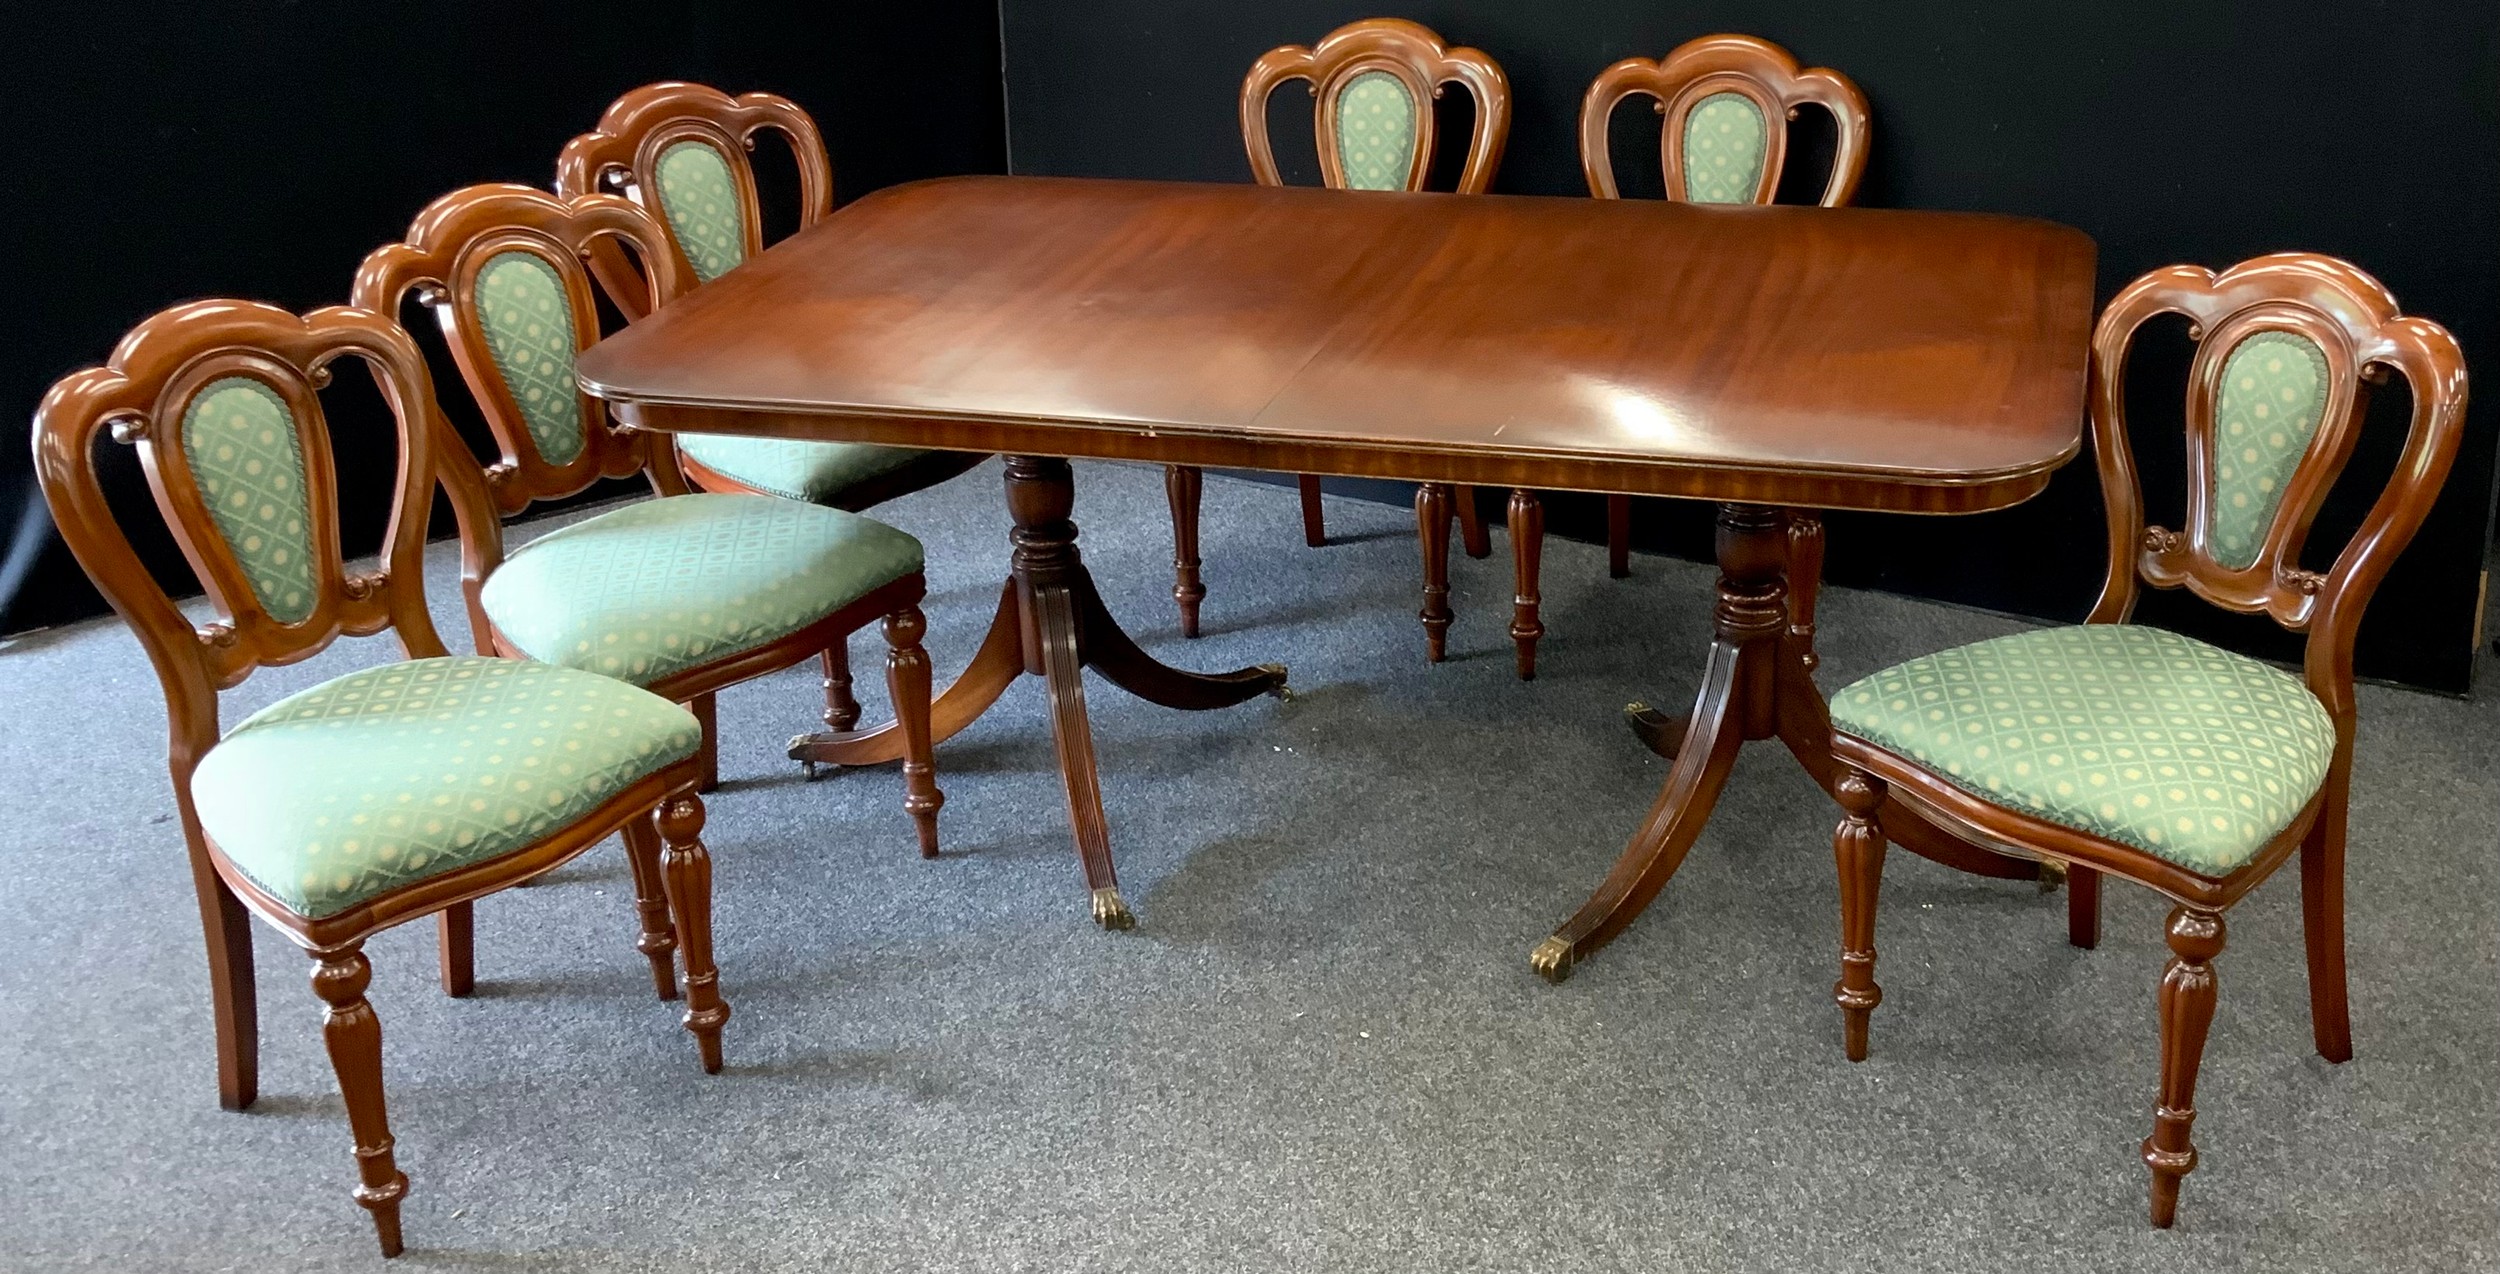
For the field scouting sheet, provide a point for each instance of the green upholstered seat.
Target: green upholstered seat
(795, 469)
(395, 774)
(2136, 735)
(665, 585)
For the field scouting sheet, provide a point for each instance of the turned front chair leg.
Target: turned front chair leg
(354, 1037)
(1182, 486)
(841, 710)
(1858, 846)
(1432, 531)
(658, 942)
(689, 874)
(2187, 1009)
(455, 943)
(1527, 549)
(1314, 518)
(907, 684)
(1618, 536)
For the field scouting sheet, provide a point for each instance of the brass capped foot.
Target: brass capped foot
(1283, 693)
(1111, 912)
(1552, 960)
(2052, 875)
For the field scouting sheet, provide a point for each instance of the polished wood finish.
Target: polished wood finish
(438, 264)
(1184, 486)
(1426, 66)
(141, 397)
(1527, 548)
(1858, 845)
(1769, 77)
(1432, 531)
(1937, 365)
(2355, 322)
(688, 874)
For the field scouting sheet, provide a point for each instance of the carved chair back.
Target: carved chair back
(680, 150)
(1727, 100)
(221, 400)
(2287, 348)
(1375, 82)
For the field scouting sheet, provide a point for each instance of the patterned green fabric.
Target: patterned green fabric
(396, 774)
(817, 472)
(529, 329)
(239, 437)
(2272, 400)
(1724, 145)
(1376, 132)
(2136, 735)
(699, 197)
(665, 585)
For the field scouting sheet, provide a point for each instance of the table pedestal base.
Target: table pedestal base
(1758, 684)
(1051, 624)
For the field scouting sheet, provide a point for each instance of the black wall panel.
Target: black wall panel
(2204, 132)
(258, 148)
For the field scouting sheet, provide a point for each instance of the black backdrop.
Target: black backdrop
(163, 151)
(2206, 132)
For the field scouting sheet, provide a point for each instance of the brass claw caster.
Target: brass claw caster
(1552, 960)
(1111, 912)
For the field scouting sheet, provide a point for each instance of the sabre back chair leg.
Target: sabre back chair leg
(907, 683)
(2083, 906)
(233, 998)
(841, 710)
(1527, 550)
(689, 874)
(354, 1037)
(455, 942)
(2322, 920)
(706, 710)
(1182, 487)
(1471, 532)
(1618, 536)
(659, 936)
(1432, 532)
(1858, 848)
(2187, 1010)
(1314, 518)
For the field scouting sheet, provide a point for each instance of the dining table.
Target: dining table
(1778, 361)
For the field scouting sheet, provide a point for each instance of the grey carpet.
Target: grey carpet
(1322, 1049)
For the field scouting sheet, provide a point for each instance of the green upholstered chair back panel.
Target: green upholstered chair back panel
(699, 197)
(2268, 406)
(1726, 141)
(528, 324)
(240, 439)
(1377, 132)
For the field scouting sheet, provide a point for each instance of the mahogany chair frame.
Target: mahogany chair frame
(2355, 322)
(622, 156)
(141, 397)
(1427, 67)
(438, 264)
(1769, 77)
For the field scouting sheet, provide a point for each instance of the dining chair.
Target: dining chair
(2118, 748)
(683, 595)
(1725, 103)
(680, 150)
(1374, 83)
(382, 795)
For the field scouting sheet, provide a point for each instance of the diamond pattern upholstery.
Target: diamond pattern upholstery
(2132, 734)
(239, 437)
(528, 320)
(794, 468)
(1724, 145)
(664, 585)
(2271, 402)
(396, 774)
(1376, 132)
(699, 197)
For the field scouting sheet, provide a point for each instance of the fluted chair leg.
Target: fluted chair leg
(689, 874)
(354, 1037)
(1858, 846)
(2187, 1010)
(907, 683)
